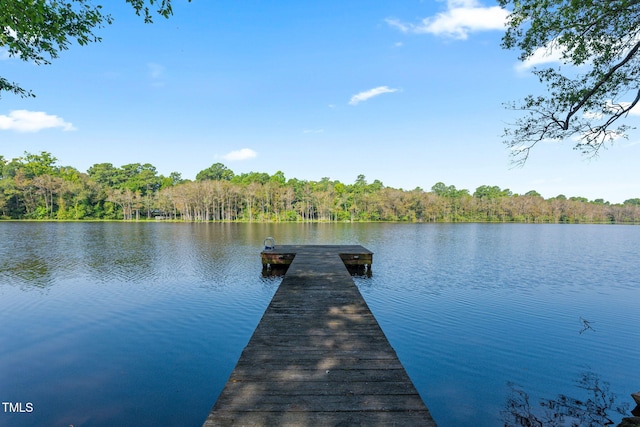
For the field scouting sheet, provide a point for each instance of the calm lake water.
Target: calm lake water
(126, 324)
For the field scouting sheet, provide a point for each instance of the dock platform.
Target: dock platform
(318, 357)
(351, 255)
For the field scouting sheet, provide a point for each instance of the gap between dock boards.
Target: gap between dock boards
(318, 356)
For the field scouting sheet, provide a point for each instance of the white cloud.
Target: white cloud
(10, 32)
(405, 28)
(617, 107)
(630, 144)
(635, 111)
(363, 96)
(542, 55)
(242, 154)
(32, 121)
(554, 52)
(461, 18)
(612, 108)
(156, 73)
(592, 115)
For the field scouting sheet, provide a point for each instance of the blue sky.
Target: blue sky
(407, 92)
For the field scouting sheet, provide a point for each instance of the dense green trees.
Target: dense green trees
(34, 186)
(596, 80)
(215, 172)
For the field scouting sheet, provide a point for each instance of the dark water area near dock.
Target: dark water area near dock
(136, 324)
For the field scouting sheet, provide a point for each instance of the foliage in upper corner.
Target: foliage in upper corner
(37, 30)
(597, 82)
(141, 7)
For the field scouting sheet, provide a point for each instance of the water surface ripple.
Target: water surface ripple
(141, 324)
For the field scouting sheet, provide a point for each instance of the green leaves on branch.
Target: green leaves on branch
(13, 87)
(163, 8)
(215, 172)
(38, 30)
(597, 81)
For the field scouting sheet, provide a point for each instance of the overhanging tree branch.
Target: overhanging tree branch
(632, 53)
(601, 37)
(37, 30)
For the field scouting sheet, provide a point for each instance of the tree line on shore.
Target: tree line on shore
(35, 187)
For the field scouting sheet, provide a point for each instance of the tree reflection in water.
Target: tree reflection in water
(592, 411)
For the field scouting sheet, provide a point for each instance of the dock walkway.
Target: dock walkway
(318, 357)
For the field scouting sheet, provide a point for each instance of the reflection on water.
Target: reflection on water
(593, 408)
(30, 271)
(469, 308)
(274, 270)
(363, 271)
(586, 326)
(141, 324)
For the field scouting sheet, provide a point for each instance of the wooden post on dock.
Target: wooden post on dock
(318, 356)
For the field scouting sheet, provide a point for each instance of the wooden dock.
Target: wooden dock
(318, 356)
(351, 255)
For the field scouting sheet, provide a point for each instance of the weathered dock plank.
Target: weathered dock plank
(318, 356)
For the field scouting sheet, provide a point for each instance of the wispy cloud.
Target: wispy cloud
(630, 144)
(242, 154)
(156, 73)
(368, 94)
(32, 121)
(459, 19)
